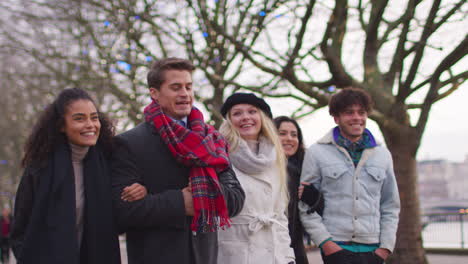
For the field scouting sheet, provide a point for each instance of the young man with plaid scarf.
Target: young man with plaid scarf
(183, 163)
(355, 175)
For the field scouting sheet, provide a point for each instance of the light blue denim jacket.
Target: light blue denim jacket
(362, 203)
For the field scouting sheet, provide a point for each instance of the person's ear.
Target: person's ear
(336, 119)
(154, 93)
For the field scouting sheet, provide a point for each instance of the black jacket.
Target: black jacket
(311, 197)
(157, 229)
(44, 223)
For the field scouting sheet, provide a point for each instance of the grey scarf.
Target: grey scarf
(249, 162)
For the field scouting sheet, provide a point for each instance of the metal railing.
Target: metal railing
(445, 230)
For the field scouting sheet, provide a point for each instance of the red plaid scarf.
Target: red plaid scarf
(204, 150)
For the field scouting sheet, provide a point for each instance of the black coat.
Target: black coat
(44, 223)
(311, 197)
(158, 231)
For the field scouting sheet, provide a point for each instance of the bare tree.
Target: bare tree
(391, 43)
(25, 88)
(302, 49)
(107, 46)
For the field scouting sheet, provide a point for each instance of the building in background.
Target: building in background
(442, 180)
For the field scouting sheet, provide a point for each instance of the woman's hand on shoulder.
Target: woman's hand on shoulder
(134, 192)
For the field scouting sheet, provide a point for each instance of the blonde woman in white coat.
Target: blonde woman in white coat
(259, 234)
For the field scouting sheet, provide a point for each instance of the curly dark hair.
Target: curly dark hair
(299, 155)
(46, 134)
(156, 76)
(348, 97)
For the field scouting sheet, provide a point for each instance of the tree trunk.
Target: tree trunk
(403, 145)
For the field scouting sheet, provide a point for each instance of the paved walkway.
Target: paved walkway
(314, 257)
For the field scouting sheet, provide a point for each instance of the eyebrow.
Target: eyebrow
(284, 130)
(179, 83)
(82, 114)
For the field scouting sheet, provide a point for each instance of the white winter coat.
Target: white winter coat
(259, 234)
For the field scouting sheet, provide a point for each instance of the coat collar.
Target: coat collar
(328, 139)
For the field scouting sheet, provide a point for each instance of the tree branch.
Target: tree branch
(334, 34)
(432, 95)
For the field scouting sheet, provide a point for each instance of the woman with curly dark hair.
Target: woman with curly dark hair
(63, 208)
(290, 135)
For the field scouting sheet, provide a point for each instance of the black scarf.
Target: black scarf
(51, 236)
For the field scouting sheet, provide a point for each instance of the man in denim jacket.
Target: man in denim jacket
(355, 175)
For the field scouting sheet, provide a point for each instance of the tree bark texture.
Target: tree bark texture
(408, 249)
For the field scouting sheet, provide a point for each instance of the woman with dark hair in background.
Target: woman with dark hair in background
(290, 135)
(63, 208)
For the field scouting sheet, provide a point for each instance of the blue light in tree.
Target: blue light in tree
(205, 34)
(148, 58)
(124, 65)
(4, 162)
(262, 13)
(137, 17)
(331, 88)
(106, 23)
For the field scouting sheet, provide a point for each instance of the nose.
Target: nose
(245, 116)
(356, 115)
(184, 92)
(89, 123)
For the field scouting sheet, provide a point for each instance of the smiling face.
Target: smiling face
(175, 96)
(81, 123)
(352, 122)
(289, 138)
(246, 119)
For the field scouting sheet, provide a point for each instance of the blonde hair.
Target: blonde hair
(267, 130)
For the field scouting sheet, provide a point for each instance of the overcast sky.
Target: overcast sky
(445, 136)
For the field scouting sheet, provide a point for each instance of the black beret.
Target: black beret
(245, 98)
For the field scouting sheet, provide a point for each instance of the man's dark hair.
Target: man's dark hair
(348, 97)
(156, 75)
